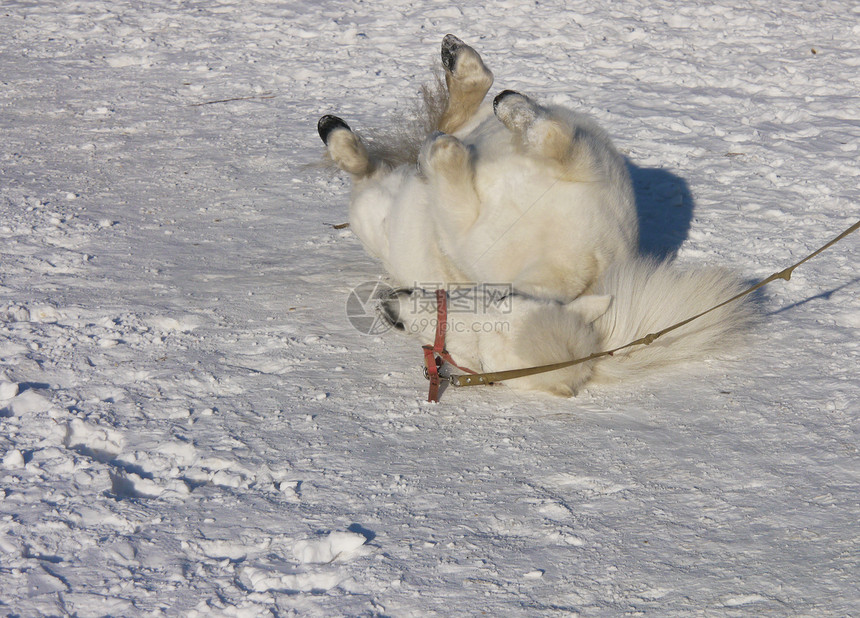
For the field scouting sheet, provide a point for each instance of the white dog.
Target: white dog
(533, 197)
(509, 192)
(633, 299)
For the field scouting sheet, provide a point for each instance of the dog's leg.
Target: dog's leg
(543, 135)
(345, 147)
(468, 81)
(538, 132)
(447, 163)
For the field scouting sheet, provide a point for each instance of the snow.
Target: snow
(190, 425)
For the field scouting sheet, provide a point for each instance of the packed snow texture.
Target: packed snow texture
(190, 425)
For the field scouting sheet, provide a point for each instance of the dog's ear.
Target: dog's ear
(590, 307)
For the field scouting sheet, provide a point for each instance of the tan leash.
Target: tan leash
(475, 379)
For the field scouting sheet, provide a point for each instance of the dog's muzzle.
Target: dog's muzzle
(390, 307)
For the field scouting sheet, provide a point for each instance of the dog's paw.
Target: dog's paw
(451, 48)
(344, 147)
(516, 111)
(464, 64)
(442, 152)
(329, 123)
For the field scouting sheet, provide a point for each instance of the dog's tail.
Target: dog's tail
(649, 296)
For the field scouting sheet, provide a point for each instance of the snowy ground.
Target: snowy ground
(190, 423)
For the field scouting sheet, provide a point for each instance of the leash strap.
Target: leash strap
(431, 369)
(441, 320)
(475, 379)
(435, 355)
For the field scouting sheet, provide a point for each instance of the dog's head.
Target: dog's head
(488, 332)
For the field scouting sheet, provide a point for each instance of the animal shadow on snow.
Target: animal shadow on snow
(664, 206)
(822, 296)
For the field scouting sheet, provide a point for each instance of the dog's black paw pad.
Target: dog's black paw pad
(451, 47)
(329, 123)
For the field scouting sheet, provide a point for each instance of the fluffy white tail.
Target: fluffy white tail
(649, 296)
